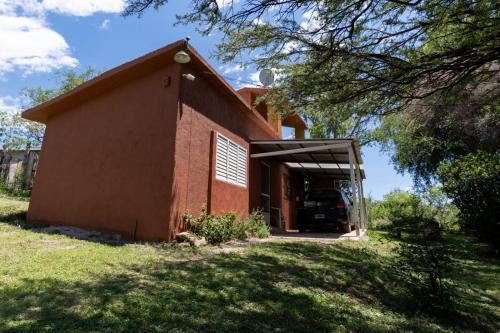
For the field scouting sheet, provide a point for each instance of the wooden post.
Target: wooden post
(353, 187)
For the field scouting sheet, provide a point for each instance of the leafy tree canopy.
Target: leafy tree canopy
(472, 181)
(424, 136)
(17, 133)
(343, 63)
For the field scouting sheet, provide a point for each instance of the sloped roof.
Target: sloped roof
(134, 69)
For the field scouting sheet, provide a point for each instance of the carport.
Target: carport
(336, 159)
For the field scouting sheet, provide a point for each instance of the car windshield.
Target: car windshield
(323, 195)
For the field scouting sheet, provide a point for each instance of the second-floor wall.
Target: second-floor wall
(274, 117)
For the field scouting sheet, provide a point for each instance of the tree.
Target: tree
(425, 71)
(427, 134)
(473, 182)
(16, 132)
(379, 55)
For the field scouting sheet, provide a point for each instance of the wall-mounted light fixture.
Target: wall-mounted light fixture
(190, 77)
(182, 57)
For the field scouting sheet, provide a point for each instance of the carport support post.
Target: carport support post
(361, 197)
(364, 206)
(353, 187)
(360, 204)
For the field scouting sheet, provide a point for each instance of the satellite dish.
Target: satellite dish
(266, 77)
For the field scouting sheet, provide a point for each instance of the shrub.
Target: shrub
(397, 211)
(401, 210)
(379, 224)
(219, 229)
(422, 263)
(438, 207)
(256, 226)
(473, 183)
(18, 186)
(216, 229)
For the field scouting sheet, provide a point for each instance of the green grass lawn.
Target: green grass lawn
(52, 283)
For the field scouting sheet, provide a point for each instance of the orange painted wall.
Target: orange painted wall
(135, 158)
(281, 196)
(205, 111)
(107, 164)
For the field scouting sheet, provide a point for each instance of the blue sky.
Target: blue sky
(40, 37)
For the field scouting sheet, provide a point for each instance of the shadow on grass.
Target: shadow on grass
(281, 287)
(15, 218)
(18, 219)
(473, 283)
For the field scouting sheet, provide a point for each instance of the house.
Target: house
(18, 165)
(130, 151)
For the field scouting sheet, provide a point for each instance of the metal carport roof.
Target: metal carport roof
(316, 157)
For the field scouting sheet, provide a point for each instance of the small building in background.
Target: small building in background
(19, 166)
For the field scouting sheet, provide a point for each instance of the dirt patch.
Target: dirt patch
(81, 234)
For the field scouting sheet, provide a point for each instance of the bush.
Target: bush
(401, 210)
(216, 229)
(379, 224)
(473, 183)
(18, 186)
(438, 207)
(219, 229)
(422, 263)
(398, 210)
(256, 226)
(422, 260)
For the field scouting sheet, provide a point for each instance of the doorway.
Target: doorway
(265, 191)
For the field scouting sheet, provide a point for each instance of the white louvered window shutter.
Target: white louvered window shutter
(221, 158)
(230, 161)
(242, 166)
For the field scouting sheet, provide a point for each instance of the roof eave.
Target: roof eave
(128, 71)
(96, 86)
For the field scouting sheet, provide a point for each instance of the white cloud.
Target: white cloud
(66, 7)
(227, 69)
(9, 104)
(254, 77)
(104, 25)
(27, 7)
(258, 21)
(28, 43)
(290, 46)
(225, 3)
(311, 20)
(83, 7)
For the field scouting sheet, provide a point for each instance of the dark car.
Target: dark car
(325, 210)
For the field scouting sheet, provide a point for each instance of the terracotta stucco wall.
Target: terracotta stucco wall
(291, 185)
(285, 185)
(107, 164)
(205, 111)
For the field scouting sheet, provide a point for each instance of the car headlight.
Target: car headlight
(309, 203)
